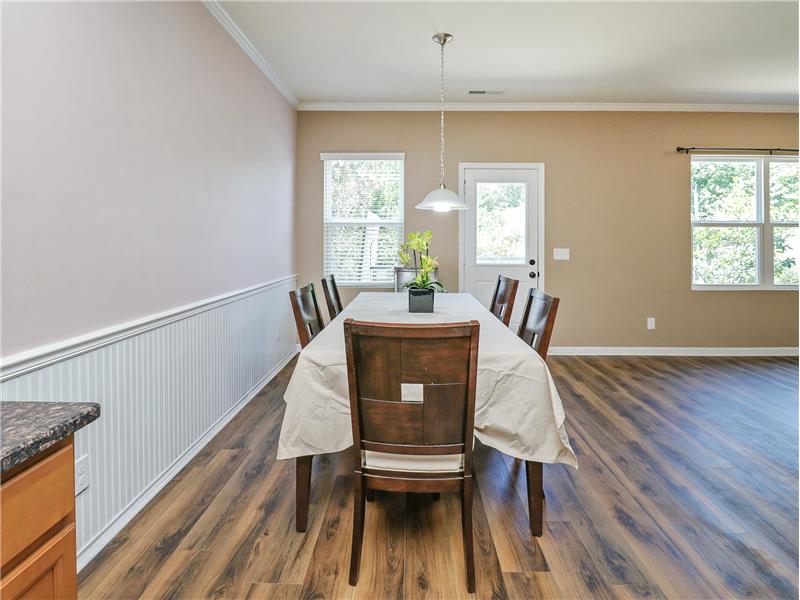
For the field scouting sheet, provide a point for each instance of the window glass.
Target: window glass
(783, 185)
(724, 190)
(785, 256)
(363, 220)
(725, 255)
(744, 214)
(500, 223)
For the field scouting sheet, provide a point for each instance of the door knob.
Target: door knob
(531, 262)
(532, 274)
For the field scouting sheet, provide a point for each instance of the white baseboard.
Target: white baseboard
(90, 550)
(670, 351)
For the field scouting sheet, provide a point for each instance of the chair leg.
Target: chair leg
(302, 490)
(533, 473)
(466, 530)
(359, 505)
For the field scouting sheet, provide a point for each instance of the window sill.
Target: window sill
(744, 288)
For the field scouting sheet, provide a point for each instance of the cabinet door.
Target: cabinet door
(49, 573)
(35, 501)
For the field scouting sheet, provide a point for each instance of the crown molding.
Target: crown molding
(227, 22)
(547, 106)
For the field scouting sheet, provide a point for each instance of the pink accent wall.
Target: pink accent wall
(147, 164)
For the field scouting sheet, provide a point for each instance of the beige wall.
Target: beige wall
(616, 194)
(147, 163)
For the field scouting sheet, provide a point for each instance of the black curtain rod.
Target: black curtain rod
(701, 149)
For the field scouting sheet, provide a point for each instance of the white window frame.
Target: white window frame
(764, 227)
(325, 156)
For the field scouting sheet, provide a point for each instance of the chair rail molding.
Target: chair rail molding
(166, 385)
(42, 356)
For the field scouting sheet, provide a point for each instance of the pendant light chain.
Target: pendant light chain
(441, 199)
(441, 124)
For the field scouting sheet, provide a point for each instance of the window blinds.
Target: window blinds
(363, 218)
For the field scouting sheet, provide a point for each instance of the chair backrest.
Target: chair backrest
(331, 296)
(306, 313)
(412, 387)
(503, 298)
(538, 320)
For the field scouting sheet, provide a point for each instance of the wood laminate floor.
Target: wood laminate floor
(687, 488)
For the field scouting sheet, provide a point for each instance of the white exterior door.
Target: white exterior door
(500, 231)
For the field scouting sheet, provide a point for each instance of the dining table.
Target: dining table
(517, 407)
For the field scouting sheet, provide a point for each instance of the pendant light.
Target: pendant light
(442, 199)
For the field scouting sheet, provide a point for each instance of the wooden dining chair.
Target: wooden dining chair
(535, 329)
(307, 317)
(538, 320)
(412, 406)
(503, 298)
(331, 296)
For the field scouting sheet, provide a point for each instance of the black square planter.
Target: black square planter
(420, 301)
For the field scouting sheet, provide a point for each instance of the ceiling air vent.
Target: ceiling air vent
(486, 92)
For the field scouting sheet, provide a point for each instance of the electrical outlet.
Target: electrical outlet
(82, 480)
(277, 333)
(651, 322)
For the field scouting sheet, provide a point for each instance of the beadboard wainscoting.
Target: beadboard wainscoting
(166, 385)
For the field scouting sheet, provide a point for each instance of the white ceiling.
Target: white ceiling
(597, 52)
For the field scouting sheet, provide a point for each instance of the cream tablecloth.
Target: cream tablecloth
(517, 408)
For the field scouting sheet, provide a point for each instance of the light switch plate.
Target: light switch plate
(560, 253)
(651, 322)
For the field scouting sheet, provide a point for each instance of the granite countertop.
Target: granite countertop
(27, 428)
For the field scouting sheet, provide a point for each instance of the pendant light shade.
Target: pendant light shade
(442, 199)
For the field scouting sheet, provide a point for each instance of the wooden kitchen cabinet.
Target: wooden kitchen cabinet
(37, 527)
(47, 573)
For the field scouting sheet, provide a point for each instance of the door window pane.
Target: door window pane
(500, 231)
(783, 178)
(724, 191)
(725, 255)
(785, 257)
